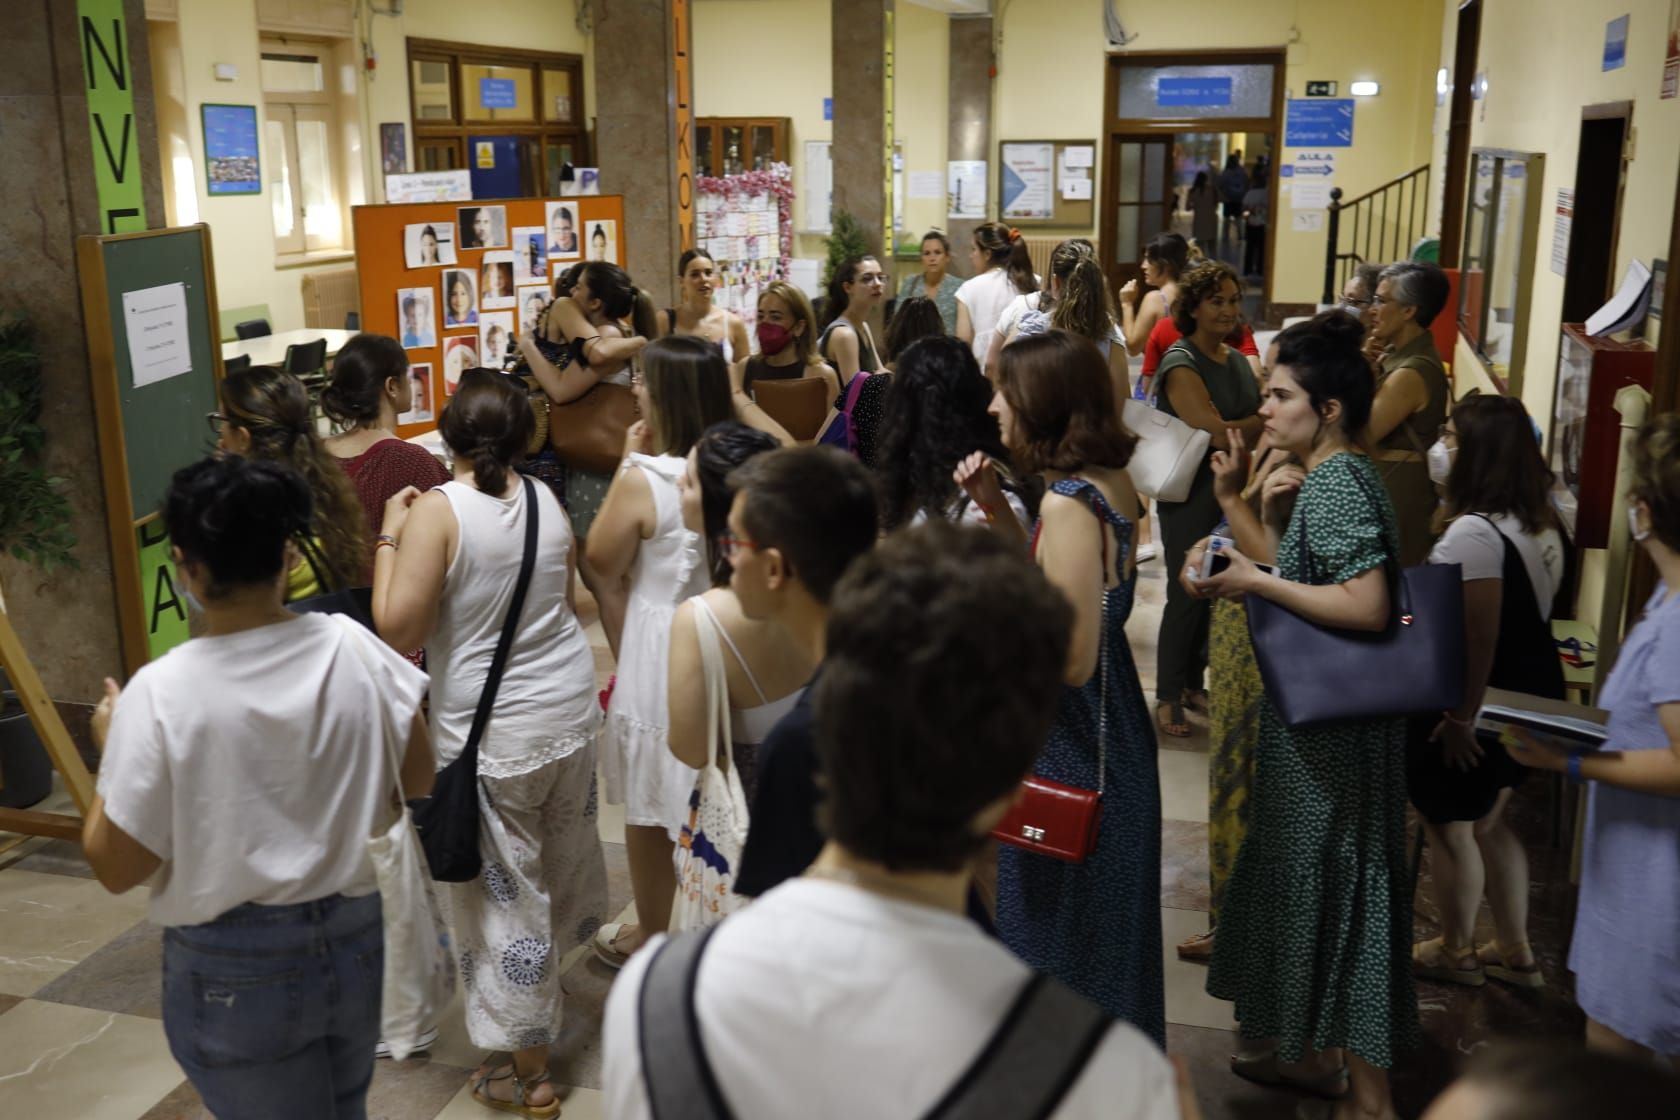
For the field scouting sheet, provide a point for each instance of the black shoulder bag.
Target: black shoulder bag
(357, 602)
(447, 821)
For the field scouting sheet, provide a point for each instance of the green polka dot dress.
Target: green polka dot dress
(1315, 932)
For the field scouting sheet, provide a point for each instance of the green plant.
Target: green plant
(847, 240)
(34, 513)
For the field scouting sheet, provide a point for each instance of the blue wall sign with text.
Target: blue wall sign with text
(1615, 43)
(828, 108)
(1213, 92)
(497, 93)
(1319, 124)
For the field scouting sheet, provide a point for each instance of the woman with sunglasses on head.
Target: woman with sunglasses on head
(1500, 529)
(265, 415)
(1315, 931)
(1627, 920)
(697, 315)
(1002, 271)
(640, 538)
(934, 281)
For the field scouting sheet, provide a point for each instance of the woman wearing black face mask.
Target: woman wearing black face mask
(786, 331)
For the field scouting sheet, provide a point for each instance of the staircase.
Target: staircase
(1381, 226)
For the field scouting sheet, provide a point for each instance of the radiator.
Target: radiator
(328, 296)
(1039, 248)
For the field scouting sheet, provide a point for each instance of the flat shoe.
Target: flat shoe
(1441, 967)
(1264, 1070)
(1197, 949)
(1520, 976)
(605, 945)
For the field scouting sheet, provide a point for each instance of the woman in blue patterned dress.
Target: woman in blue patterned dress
(1315, 931)
(1094, 925)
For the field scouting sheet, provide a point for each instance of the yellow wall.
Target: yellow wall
(921, 117)
(737, 73)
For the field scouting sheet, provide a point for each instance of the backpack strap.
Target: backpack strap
(679, 1078)
(1031, 1060)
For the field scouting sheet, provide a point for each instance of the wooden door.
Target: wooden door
(1139, 202)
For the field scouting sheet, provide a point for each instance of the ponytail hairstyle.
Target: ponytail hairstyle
(1005, 248)
(837, 301)
(1169, 252)
(488, 422)
(720, 449)
(1324, 357)
(359, 373)
(620, 298)
(273, 407)
(234, 516)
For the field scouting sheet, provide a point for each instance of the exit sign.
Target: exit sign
(1321, 89)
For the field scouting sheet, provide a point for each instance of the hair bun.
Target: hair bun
(1340, 328)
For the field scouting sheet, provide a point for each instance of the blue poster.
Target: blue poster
(230, 149)
(497, 93)
(1615, 43)
(828, 108)
(1201, 92)
(1319, 124)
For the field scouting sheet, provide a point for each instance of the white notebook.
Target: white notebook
(1575, 724)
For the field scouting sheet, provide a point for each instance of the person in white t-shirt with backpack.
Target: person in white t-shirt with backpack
(860, 988)
(1501, 530)
(244, 772)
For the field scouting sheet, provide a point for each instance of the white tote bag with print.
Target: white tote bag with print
(709, 848)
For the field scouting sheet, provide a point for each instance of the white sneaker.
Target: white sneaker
(383, 1050)
(1147, 551)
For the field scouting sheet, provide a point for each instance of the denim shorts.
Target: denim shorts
(273, 1011)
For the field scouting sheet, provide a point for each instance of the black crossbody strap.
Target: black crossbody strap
(679, 1079)
(504, 644)
(1033, 1058)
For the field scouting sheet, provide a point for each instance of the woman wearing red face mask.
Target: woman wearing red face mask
(786, 331)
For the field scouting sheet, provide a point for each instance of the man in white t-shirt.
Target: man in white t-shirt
(860, 989)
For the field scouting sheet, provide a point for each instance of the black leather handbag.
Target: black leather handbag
(1315, 673)
(447, 821)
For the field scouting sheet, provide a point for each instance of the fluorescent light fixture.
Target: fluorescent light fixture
(1442, 82)
(1364, 89)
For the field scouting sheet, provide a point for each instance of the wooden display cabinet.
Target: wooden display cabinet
(732, 145)
(1585, 428)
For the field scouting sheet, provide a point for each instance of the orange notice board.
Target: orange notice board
(455, 282)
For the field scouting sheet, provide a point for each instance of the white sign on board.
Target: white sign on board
(156, 319)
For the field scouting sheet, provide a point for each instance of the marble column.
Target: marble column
(861, 148)
(644, 132)
(971, 117)
(67, 620)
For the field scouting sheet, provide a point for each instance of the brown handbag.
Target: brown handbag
(588, 433)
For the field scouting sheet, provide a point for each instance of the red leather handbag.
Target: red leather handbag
(1053, 820)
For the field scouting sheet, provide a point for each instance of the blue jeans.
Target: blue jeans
(273, 1011)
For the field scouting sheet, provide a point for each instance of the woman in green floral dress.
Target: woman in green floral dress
(1315, 932)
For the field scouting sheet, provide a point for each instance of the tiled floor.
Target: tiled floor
(81, 1037)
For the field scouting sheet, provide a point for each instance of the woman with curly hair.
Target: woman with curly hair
(265, 415)
(935, 417)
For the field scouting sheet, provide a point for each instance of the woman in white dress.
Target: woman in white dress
(639, 535)
(1002, 271)
(444, 573)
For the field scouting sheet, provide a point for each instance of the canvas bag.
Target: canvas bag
(419, 977)
(708, 853)
(1169, 452)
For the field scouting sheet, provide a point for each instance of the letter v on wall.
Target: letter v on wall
(110, 98)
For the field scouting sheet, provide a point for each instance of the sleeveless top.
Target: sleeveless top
(546, 707)
(868, 360)
(1418, 355)
(750, 726)
(722, 344)
(759, 369)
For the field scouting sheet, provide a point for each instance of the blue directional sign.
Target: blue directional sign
(1319, 124)
(1202, 92)
(497, 93)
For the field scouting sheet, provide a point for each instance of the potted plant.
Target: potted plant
(34, 527)
(845, 241)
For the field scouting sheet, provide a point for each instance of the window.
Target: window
(461, 93)
(304, 169)
(1501, 230)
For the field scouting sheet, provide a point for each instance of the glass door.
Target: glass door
(1140, 171)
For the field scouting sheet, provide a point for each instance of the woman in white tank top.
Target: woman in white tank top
(639, 536)
(444, 574)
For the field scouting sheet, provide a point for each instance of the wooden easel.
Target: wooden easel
(44, 715)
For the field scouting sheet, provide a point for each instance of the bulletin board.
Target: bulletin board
(149, 303)
(394, 267)
(745, 224)
(1016, 191)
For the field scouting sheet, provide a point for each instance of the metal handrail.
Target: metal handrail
(1411, 206)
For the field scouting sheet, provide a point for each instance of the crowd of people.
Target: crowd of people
(893, 633)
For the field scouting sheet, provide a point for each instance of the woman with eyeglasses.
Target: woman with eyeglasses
(640, 538)
(934, 281)
(265, 415)
(846, 342)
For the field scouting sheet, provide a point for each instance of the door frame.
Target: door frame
(1455, 183)
(1117, 272)
(1118, 129)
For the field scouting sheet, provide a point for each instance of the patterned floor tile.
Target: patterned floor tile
(1184, 865)
(51, 923)
(60, 1061)
(125, 974)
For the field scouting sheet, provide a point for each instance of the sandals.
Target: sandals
(1197, 948)
(519, 1105)
(1434, 960)
(1494, 959)
(1175, 725)
(1265, 1070)
(1196, 699)
(605, 944)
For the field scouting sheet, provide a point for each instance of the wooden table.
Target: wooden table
(270, 349)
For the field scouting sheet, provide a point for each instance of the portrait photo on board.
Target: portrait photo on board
(483, 227)
(428, 244)
(603, 241)
(532, 299)
(459, 355)
(530, 254)
(420, 395)
(416, 323)
(495, 338)
(564, 242)
(460, 298)
(495, 285)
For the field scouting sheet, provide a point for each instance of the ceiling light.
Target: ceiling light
(1364, 89)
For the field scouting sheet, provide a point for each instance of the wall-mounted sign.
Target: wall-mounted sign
(828, 108)
(1615, 43)
(1321, 89)
(1319, 124)
(1207, 92)
(230, 149)
(497, 93)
